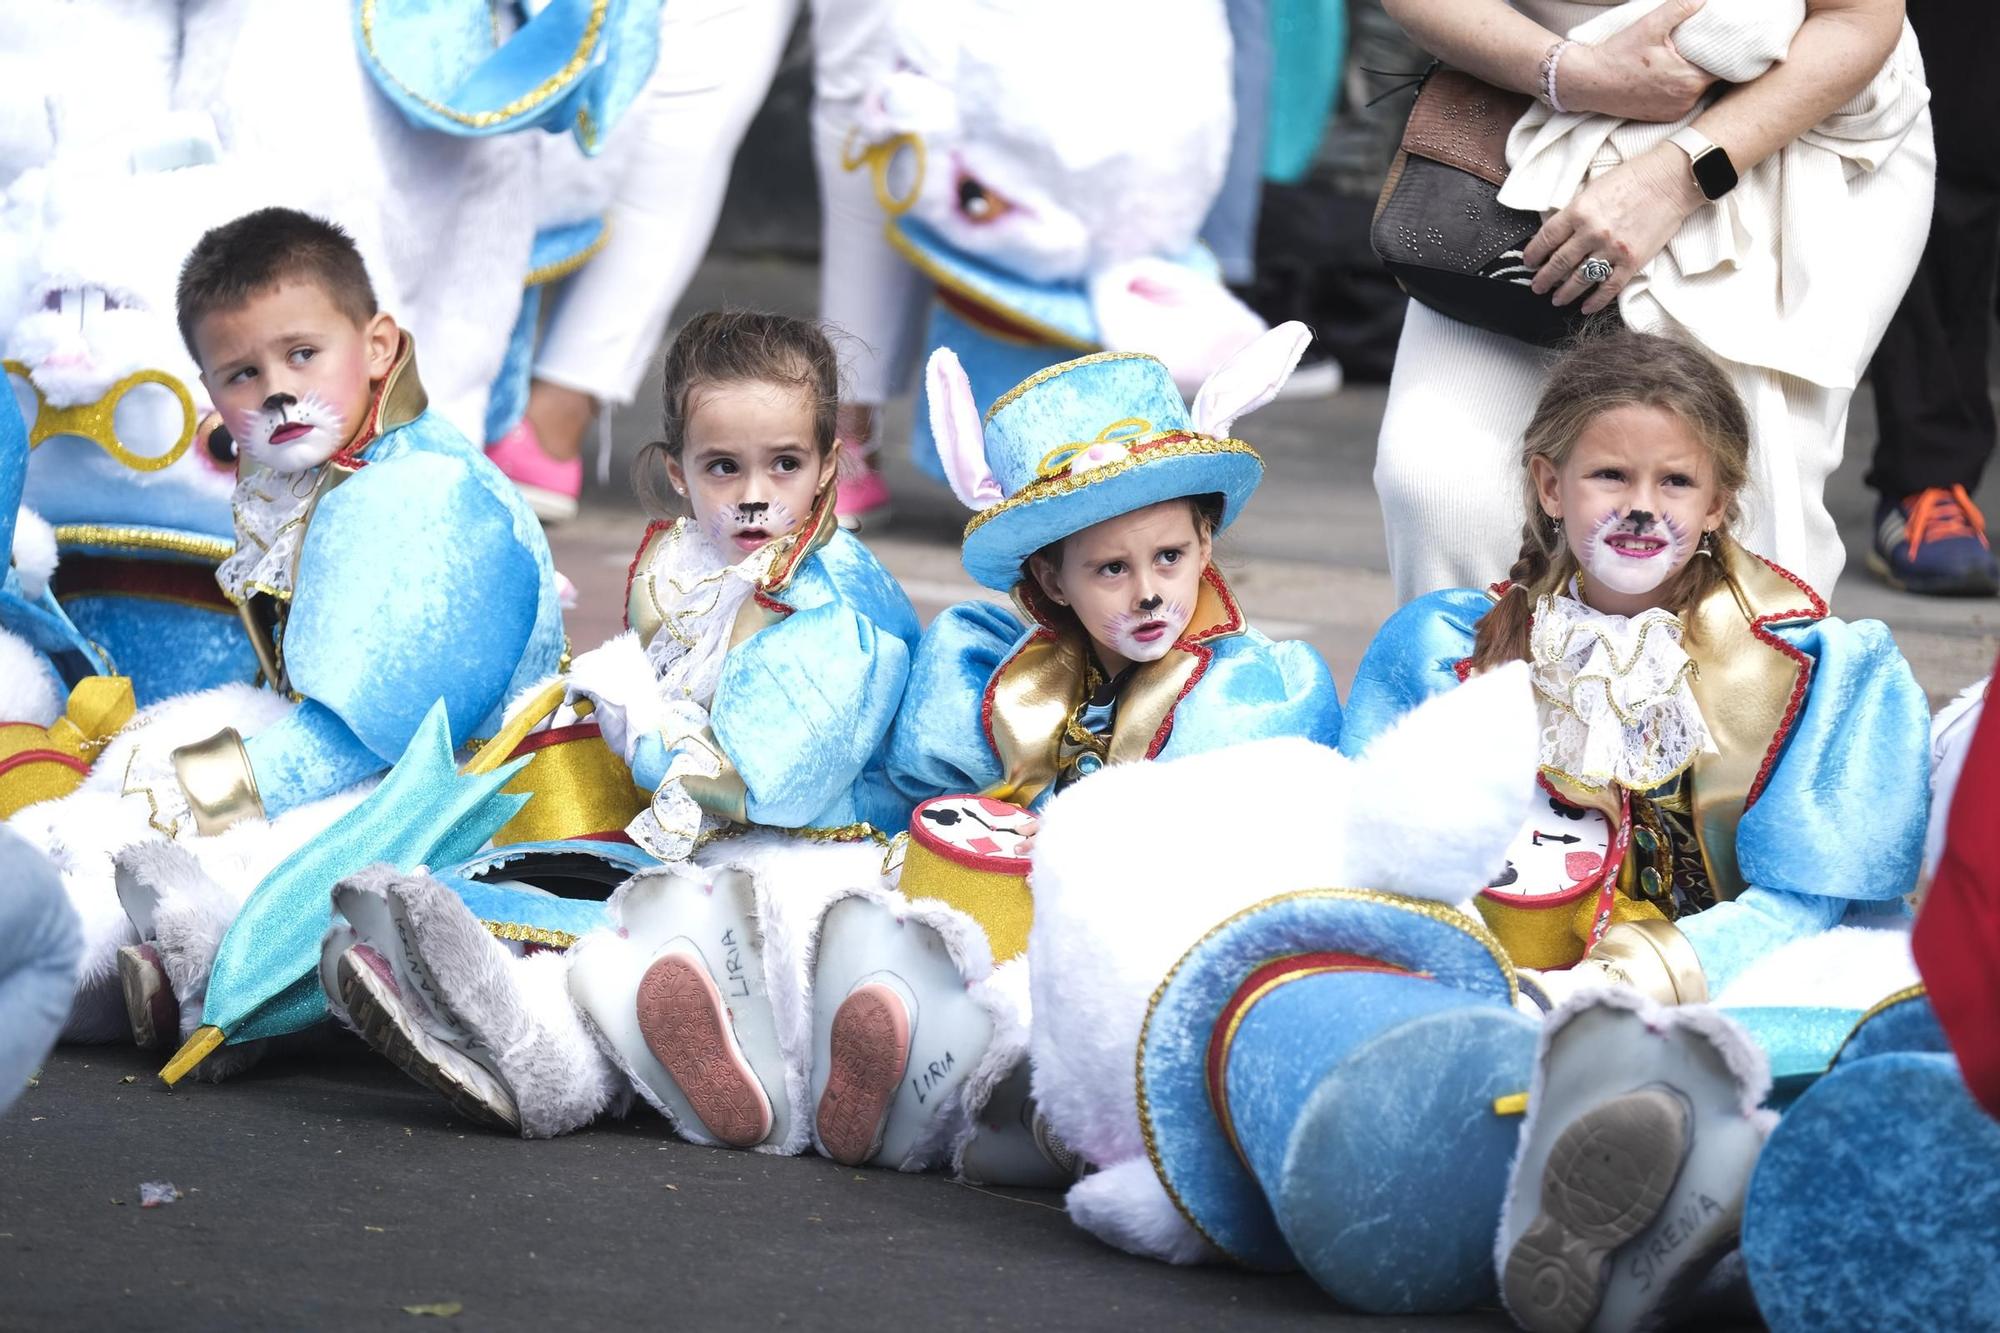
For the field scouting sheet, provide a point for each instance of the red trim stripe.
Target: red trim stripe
(8, 763)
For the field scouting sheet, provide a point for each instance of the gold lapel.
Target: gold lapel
(766, 607)
(1034, 693)
(1749, 684)
(1156, 687)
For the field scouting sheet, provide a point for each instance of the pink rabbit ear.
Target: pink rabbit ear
(961, 442)
(1250, 378)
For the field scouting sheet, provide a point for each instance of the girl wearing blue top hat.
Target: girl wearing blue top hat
(749, 699)
(1099, 495)
(1332, 1076)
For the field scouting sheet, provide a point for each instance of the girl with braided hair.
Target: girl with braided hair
(1727, 767)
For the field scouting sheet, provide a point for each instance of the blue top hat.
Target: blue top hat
(1088, 440)
(1318, 1080)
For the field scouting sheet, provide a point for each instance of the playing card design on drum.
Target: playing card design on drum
(977, 824)
(1560, 850)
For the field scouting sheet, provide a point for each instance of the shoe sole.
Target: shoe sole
(1961, 588)
(378, 1014)
(687, 1026)
(870, 1048)
(549, 506)
(1607, 1179)
(150, 1006)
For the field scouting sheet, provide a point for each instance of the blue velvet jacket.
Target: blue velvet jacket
(991, 696)
(422, 575)
(1815, 805)
(807, 698)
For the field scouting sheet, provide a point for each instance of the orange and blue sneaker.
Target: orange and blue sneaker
(1934, 542)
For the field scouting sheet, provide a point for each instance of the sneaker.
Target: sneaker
(1318, 376)
(1934, 542)
(550, 484)
(861, 497)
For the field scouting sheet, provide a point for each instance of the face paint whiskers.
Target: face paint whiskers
(1635, 551)
(290, 434)
(1145, 635)
(749, 526)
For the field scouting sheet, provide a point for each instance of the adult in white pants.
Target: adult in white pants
(1788, 279)
(717, 60)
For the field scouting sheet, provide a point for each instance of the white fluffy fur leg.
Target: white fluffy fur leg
(29, 691)
(511, 1015)
(1848, 967)
(1003, 994)
(1125, 1206)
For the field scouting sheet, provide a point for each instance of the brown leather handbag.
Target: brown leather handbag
(1440, 228)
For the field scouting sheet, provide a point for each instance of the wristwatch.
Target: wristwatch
(1713, 171)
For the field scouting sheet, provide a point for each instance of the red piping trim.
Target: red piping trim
(1815, 609)
(20, 757)
(653, 529)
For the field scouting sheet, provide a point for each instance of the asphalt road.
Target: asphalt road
(323, 1190)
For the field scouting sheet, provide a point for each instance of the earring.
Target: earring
(1555, 540)
(1707, 546)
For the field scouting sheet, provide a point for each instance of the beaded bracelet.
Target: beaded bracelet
(1551, 59)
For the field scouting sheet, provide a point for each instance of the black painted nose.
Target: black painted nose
(279, 401)
(1640, 519)
(1152, 603)
(753, 509)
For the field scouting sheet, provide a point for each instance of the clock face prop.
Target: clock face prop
(975, 826)
(1559, 851)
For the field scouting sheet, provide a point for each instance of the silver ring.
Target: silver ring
(1594, 270)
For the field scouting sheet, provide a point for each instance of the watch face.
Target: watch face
(1715, 173)
(1560, 849)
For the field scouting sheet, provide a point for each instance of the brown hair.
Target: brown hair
(1601, 371)
(1206, 510)
(244, 258)
(737, 347)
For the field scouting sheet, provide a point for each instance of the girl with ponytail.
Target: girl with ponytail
(1723, 766)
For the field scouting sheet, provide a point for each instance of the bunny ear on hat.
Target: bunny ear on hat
(955, 425)
(1250, 378)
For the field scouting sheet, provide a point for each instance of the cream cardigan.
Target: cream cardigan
(1800, 267)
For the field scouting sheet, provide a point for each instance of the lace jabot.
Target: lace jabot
(697, 594)
(269, 510)
(1613, 696)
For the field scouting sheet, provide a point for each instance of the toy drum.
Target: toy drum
(968, 851)
(1542, 906)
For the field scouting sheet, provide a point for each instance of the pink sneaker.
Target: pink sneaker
(862, 496)
(550, 484)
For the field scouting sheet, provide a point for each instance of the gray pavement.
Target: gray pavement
(323, 1190)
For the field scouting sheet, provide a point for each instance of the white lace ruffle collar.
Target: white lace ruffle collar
(1613, 695)
(269, 510)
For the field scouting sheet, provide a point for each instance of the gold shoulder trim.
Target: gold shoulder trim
(529, 100)
(115, 537)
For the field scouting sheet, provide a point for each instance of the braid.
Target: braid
(1503, 631)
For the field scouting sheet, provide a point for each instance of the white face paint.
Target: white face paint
(744, 528)
(1146, 635)
(1634, 551)
(290, 435)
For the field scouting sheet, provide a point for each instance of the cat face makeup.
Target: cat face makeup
(749, 469)
(1634, 497)
(1132, 581)
(291, 374)
(1633, 552)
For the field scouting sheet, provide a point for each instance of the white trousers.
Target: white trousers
(717, 60)
(1448, 461)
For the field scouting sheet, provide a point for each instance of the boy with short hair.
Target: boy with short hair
(382, 565)
(316, 383)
